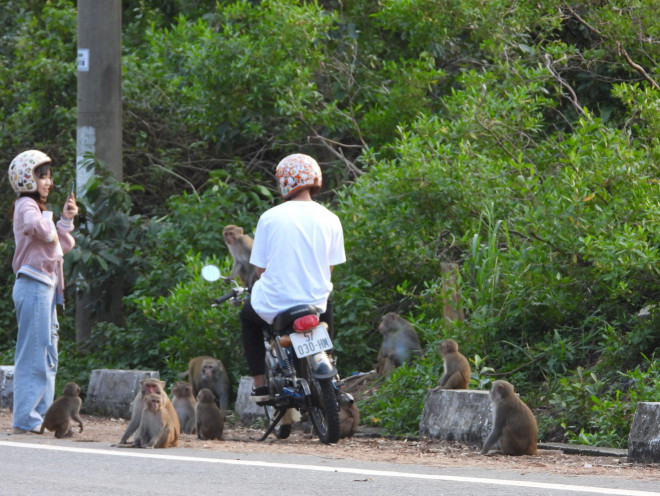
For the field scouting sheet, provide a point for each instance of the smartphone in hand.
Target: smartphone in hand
(72, 188)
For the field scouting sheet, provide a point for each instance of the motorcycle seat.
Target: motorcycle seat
(284, 320)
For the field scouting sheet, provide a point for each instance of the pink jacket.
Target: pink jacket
(36, 255)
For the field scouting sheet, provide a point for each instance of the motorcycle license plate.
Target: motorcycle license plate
(310, 342)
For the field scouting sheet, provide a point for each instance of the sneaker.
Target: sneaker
(260, 394)
(18, 430)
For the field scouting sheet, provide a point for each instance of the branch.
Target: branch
(489, 130)
(327, 143)
(582, 21)
(534, 236)
(509, 372)
(497, 139)
(574, 99)
(495, 135)
(175, 175)
(620, 49)
(637, 67)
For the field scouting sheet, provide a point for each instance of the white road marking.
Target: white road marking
(344, 470)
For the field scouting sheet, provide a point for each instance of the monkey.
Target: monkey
(148, 386)
(184, 403)
(210, 421)
(159, 428)
(400, 343)
(349, 418)
(514, 425)
(59, 414)
(240, 248)
(457, 368)
(209, 372)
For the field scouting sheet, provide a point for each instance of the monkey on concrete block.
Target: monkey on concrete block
(457, 368)
(240, 248)
(159, 427)
(210, 421)
(184, 403)
(400, 343)
(148, 386)
(209, 372)
(59, 414)
(514, 425)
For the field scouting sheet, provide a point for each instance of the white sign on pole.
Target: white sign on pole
(83, 59)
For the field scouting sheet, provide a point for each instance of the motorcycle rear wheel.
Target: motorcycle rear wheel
(323, 407)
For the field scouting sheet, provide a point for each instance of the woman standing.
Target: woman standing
(38, 265)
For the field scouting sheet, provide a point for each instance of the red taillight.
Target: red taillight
(305, 323)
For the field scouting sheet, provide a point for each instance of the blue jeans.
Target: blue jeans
(35, 363)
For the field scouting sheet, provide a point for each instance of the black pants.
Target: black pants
(252, 335)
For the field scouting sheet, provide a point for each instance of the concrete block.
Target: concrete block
(7, 386)
(248, 411)
(456, 415)
(111, 392)
(644, 437)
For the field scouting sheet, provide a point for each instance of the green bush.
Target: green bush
(397, 407)
(600, 413)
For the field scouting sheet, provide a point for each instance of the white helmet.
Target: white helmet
(296, 172)
(21, 170)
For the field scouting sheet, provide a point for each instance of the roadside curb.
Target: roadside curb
(568, 449)
(581, 449)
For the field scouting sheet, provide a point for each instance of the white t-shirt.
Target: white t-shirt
(296, 242)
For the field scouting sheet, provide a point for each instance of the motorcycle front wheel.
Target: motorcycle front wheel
(323, 407)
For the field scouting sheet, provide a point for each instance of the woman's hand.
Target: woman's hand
(70, 208)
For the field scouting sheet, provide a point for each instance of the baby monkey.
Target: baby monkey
(59, 414)
(209, 418)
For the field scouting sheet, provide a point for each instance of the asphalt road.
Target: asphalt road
(62, 468)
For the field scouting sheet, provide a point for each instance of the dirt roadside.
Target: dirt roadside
(368, 446)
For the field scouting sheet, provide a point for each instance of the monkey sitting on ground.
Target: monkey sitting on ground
(59, 414)
(457, 368)
(514, 425)
(209, 372)
(184, 403)
(240, 248)
(210, 421)
(349, 419)
(400, 343)
(159, 428)
(148, 386)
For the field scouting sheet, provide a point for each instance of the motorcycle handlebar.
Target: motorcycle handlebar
(234, 293)
(224, 298)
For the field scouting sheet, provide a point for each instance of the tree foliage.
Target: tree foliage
(517, 141)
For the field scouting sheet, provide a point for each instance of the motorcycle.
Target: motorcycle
(300, 376)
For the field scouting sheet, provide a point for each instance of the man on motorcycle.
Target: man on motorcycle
(296, 246)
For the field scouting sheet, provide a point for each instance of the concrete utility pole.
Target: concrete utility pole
(99, 117)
